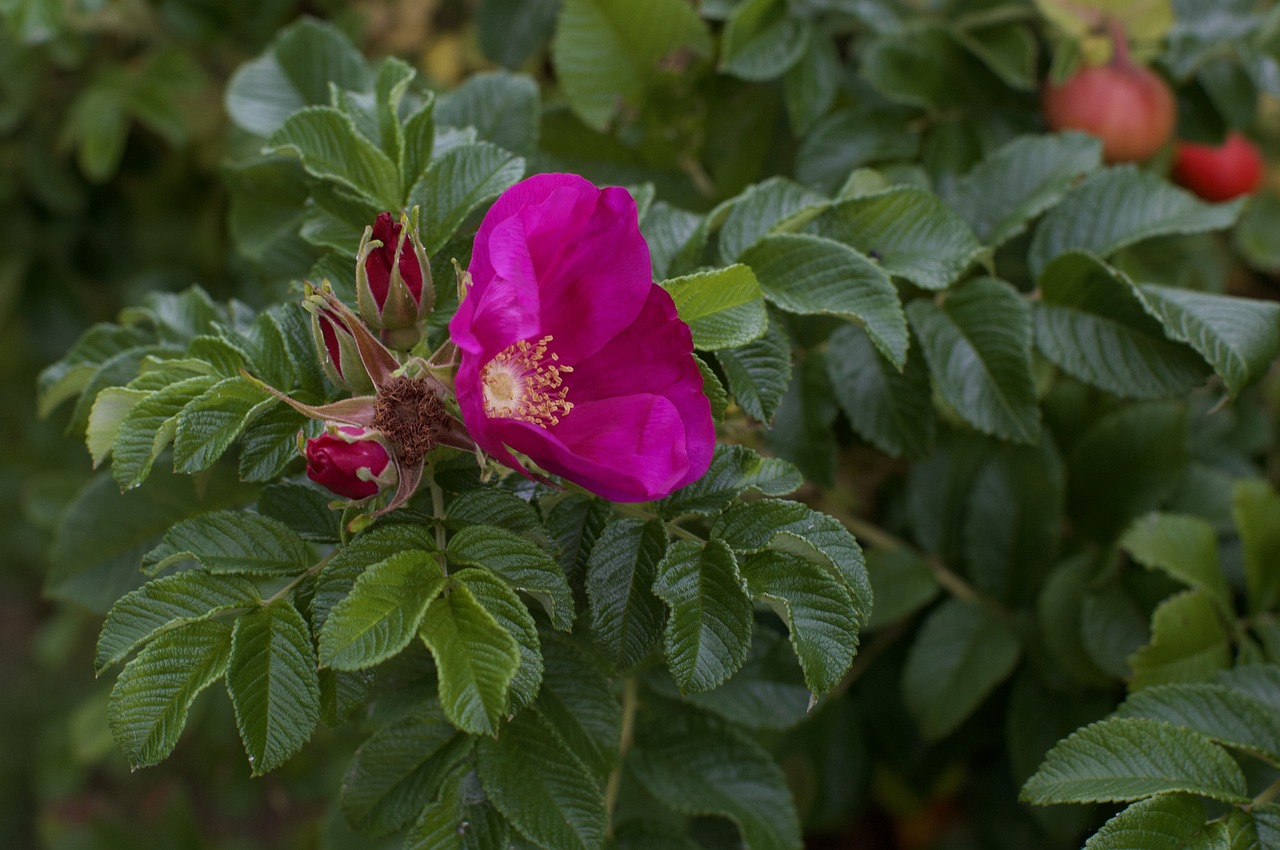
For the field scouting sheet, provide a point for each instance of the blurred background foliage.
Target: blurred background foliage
(114, 144)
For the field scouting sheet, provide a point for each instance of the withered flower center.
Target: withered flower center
(411, 414)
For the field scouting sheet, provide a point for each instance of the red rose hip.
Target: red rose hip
(1128, 107)
(1219, 172)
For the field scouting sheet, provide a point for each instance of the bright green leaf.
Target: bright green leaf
(723, 308)
(1185, 547)
(458, 182)
(231, 542)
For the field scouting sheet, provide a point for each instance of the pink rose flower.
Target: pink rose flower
(570, 354)
(350, 461)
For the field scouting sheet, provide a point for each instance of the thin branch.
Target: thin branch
(630, 701)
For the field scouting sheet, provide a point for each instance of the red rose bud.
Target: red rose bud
(352, 462)
(339, 355)
(393, 280)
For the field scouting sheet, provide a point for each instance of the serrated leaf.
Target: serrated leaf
(1118, 207)
(168, 603)
(759, 373)
(149, 426)
(1218, 712)
(676, 238)
(811, 275)
(503, 107)
(1239, 337)
(784, 526)
(273, 684)
(400, 768)
(708, 631)
(150, 700)
(573, 525)
(208, 425)
(606, 51)
(580, 703)
(723, 308)
(524, 565)
(699, 767)
(803, 427)
(889, 408)
(772, 203)
(460, 818)
(1189, 643)
(269, 443)
(331, 148)
(105, 417)
(296, 71)
(231, 542)
(734, 470)
(383, 611)
(497, 507)
(626, 618)
(961, 653)
(359, 553)
(978, 346)
(910, 232)
(504, 606)
(541, 787)
(1163, 822)
(1127, 759)
(1266, 819)
(66, 378)
(819, 612)
(1255, 507)
(761, 40)
(1185, 547)
(848, 139)
(1002, 194)
(1098, 327)
(476, 659)
(458, 182)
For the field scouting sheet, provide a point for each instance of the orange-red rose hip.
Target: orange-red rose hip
(1221, 172)
(1128, 107)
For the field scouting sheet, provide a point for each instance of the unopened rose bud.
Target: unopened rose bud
(339, 355)
(352, 462)
(393, 280)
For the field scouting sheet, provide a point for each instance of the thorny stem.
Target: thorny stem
(630, 700)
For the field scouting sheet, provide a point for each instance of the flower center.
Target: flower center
(524, 381)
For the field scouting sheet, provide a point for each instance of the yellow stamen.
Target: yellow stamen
(524, 382)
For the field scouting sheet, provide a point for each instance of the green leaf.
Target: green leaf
(700, 767)
(269, 443)
(67, 377)
(775, 204)
(1009, 50)
(523, 565)
(606, 51)
(231, 542)
(759, 373)
(1218, 712)
(626, 618)
(961, 653)
(734, 470)
(296, 71)
(150, 700)
(458, 182)
(574, 524)
(1128, 759)
(460, 818)
(400, 768)
(149, 426)
(909, 231)
(492, 506)
(817, 609)
(1002, 194)
(709, 630)
(580, 703)
(803, 431)
(811, 85)
(359, 553)
(1118, 207)
(208, 425)
(383, 611)
(511, 614)
(165, 604)
(510, 31)
(891, 409)
(1098, 327)
(476, 659)
(503, 107)
(1239, 337)
(761, 41)
(1163, 822)
(784, 526)
(723, 308)
(978, 346)
(1189, 643)
(851, 138)
(1185, 547)
(673, 235)
(331, 148)
(273, 684)
(904, 584)
(541, 787)
(1266, 818)
(815, 276)
(1256, 510)
(105, 417)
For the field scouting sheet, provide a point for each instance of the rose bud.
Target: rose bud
(352, 462)
(393, 280)
(336, 344)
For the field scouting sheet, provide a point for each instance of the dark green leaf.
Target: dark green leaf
(891, 409)
(1256, 510)
(1215, 711)
(502, 107)
(456, 184)
(231, 542)
(1188, 643)
(1185, 547)
(734, 470)
(1163, 822)
(759, 373)
(626, 618)
(331, 148)
(524, 565)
